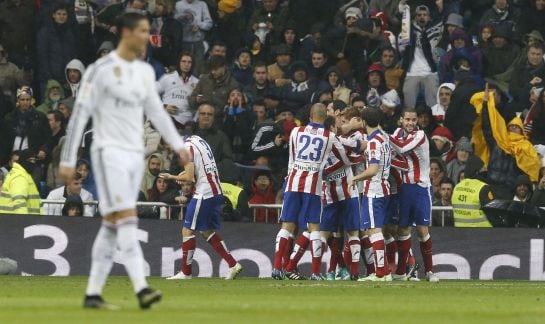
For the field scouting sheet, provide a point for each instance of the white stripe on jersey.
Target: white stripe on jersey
(378, 152)
(207, 180)
(415, 147)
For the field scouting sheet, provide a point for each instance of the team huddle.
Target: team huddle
(366, 184)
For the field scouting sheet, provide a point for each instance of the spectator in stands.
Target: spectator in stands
(442, 144)
(196, 21)
(73, 207)
(334, 80)
(214, 87)
(319, 65)
(56, 45)
(523, 189)
(500, 52)
(105, 18)
(528, 74)
(19, 192)
(217, 140)
(271, 18)
(163, 190)
(444, 218)
(390, 9)
(263, 193)
(17, 33)
(260, 114)
(532, 18)
(261, 89)
(83, 167)
(230, 25)
(154, 165)
(297, 94)
(236, 123)
(54, 93)
(73, 72)
(104, 49)
(534, 123)
(426, 122)
(310, 42)
(65, 107)
(454, 21)
(393, 73)
(461, 49)
(418, 56)
(389, 104)
(374, 86)
(437, 173)
(460, 118)
(538, 198)
(457, 165)
(11, 76)
(279, 72)
(271, 138)
(242, 67)
(501, 13)
(444, 94)
(218, 48)
(236, 207)
(166, 34)
(56, 125)
(175, 89)
(25, 127)
(72, 188)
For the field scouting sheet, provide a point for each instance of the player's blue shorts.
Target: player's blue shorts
(392, 210)
(414, 205)
(345, 214)
(203, 214)
(301, 208)
(373, 212)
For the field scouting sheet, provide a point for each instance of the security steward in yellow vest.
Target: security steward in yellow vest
(19, 193)
(470, 195)
(238, 200)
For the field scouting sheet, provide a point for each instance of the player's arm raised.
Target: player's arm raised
(84, 105)
(404, 146)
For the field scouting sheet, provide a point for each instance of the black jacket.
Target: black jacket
(460, 116)
(520, 86)
(56, 45)
(171, 39)
(429, 34)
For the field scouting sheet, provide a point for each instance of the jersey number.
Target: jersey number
(315, 151)
(208, 150)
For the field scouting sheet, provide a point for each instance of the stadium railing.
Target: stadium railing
(166, 210)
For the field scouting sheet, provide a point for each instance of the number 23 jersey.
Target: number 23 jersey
(207, 180)
(309, 148)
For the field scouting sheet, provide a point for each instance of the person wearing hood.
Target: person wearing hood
(104, 49)
(470, 195)
(83, 167)
(374, 85)
(278, 72)
(500, 52)
(56, 45)
(25, 127)
(19, 192)
(263, 193)
(73, 206)
(443, 144)
(454, 21)
(74, 187)
(459, 119)
(523, 189)
(461, 47)
(54, 93)
(242, 67)
(154, 165)
(334, 79)
(215, 86)
(463, 151)
(296, 95)
(501, 13)
(73, 73)
(66, 106)
(529, 74)
(444, 94)
(502, 146)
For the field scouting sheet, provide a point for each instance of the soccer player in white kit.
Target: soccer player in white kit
(116, 91)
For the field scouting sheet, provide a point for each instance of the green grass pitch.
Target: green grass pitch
(58, 300)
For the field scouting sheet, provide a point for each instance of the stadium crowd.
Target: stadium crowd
(242, 74)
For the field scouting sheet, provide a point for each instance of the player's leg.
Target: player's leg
(377, 213)
(289, 218)
(406, 218)
(312, 213)
(328, 224)
(299, 249)
(335, 246)
(423, 221)
(288, 250)
(390, 230)
(366, 245)
(351, 223)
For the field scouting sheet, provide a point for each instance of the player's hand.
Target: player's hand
(66, 174)
(165, 176)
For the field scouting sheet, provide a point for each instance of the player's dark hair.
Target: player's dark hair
(408, 110)
(329, 122)
(128, 20)
(371, 116)
(351, 112)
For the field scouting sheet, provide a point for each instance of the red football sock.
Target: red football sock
(188, 249)
(318, 246)
(379, 254)
(287, 252)
(335, 246)
(391, 251)
(354, 248)
(281, 245)
(219, 246)
(426, 250)
(301, 245)
(347, 254)
(403, 246)
(369, 260)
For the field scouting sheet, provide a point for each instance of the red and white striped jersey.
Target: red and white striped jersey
(356, 157)
(378, 152)
(338, 175)
(309, 149)
(399, 166)
(207, 180)
(415, 147)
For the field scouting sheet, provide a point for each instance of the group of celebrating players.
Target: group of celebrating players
(358, 181)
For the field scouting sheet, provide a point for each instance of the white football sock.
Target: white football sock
(131, 252)
(102, 258)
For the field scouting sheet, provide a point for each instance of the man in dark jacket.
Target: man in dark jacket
(261, 88)
(56, 46)
(500, 52)
(460, 116)
(299, 93)
(16, 31)
(274, 16)
(538, 199)
(529, 74)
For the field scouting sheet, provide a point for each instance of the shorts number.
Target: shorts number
(315, 151)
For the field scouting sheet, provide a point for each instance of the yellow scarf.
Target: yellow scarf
(511, 143)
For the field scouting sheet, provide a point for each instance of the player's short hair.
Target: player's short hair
(408, 110)
(318, 111)
(329, 122)
(129, 20)
(371, 116)
(351, 112)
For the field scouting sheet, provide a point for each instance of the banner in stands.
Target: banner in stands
(61, 246)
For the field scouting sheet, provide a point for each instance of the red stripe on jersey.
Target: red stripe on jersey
(416, 167)
(333, 191)
(314, 183)
(212, 184)
(335, 167)
(367, 184)
(372, 145)
(302, 181)
(385, 188)
(345, 188)
(290, 181)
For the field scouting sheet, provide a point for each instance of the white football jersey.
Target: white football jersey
(175, 91)
(116, 93)
(207, 179)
